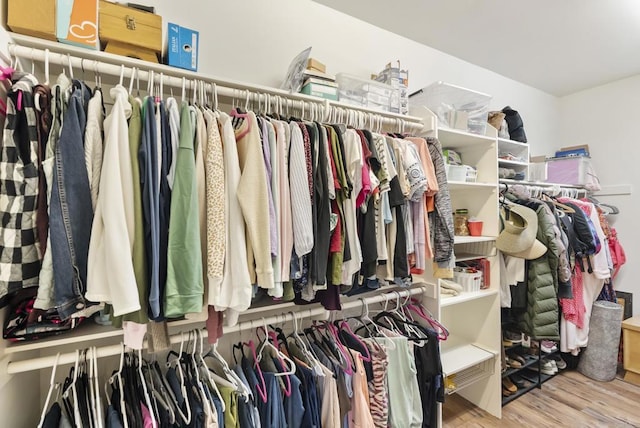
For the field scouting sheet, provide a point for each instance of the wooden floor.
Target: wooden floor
(568, 400)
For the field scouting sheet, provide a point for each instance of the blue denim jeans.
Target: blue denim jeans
(71, 212)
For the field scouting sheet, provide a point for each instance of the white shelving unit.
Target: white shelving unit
(470, 355)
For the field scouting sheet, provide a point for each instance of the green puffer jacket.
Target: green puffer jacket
(541, 317)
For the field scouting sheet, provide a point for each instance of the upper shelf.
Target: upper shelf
(467, 185)
(90, 59)
(472, 239)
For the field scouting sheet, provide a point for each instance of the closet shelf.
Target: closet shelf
(511, 145)
(457, 139)
(460, 358)
(465, 365)
(467, 297)
(506, 162)
(538, 183)
(91, 58)
(472, 239)
(463, 257)
(87, 332)
(466, 185)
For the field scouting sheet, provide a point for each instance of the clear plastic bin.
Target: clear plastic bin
(367, 93)
(455, 107)
(460, 173)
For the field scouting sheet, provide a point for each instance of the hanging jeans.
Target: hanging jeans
(71, 213)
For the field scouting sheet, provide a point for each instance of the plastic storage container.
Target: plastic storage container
(367, 93)
(456, 107)
(571, 170)
(460, 173)
(470, 281)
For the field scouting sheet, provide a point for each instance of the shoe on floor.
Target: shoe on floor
(508, 385)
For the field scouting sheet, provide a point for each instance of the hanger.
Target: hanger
(424, 313)
(266, 343)
(145, 392)
(176, 361)
(212, 384)
(118, 376)
(306, 351)
(75, 412)
(52, 385)
(230, 376)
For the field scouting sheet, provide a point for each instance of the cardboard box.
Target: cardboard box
(182, 49)
(130, 32)
(35, 18)
(322, 91)
(314, 64)
(77, 23)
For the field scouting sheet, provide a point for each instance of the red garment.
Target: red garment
(574, 309)
(214, 325)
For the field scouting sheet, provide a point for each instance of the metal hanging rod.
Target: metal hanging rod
(537, 188)
(101, 63)
(39, 363)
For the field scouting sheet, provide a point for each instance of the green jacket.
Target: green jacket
(541, 317)
(185, 288)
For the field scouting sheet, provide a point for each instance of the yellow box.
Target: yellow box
(314, 64)
(631, 346)
(130, 32)
(35, 18)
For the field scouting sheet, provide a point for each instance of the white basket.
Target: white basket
(469, 281)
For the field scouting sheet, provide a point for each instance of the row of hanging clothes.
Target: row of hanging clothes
(381, 370)
(582, 258)
(160, 207)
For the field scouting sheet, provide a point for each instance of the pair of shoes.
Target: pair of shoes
(515, 361)
(548, 346)
(560, 363)
(519, 381)
(510, 338)
(508, 385)
(553, 364)
(546, 367)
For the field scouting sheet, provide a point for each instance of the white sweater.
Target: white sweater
(110, 276)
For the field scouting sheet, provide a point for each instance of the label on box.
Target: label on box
(77, 22)
(182, 49)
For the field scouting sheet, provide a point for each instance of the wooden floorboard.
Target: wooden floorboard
(568, 400)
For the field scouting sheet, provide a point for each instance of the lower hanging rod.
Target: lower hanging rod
(14, 367)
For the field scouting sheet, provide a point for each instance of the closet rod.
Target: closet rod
(112, 65)
(39, 363)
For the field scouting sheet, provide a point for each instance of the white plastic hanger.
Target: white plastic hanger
(145, 392)
(52, 385)
(267, 344)
(186, 418)
(205, 370)
(118, 376)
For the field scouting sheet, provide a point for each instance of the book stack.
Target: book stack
(318, 83)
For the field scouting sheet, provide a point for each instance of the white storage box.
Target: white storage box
(366, 93)
(470, 281)
(460, 173)
(576, 171)
(455, 107)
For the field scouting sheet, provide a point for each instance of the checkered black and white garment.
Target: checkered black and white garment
(19, 248)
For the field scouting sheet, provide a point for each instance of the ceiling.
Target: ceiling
(559, 47)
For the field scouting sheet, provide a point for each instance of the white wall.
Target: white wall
(255, 40)
(607, 117)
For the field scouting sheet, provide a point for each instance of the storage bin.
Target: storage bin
(454, 106)
(470, 281)
(576, 171)
(367, 93)
(130, 32)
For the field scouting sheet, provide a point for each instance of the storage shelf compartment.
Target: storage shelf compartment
(472, 239)
(470, 185)
(506, 162)
(474, 250)
(529, 361)
(457, 139)
(507, 144)
(465, 365)
(466, 297)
